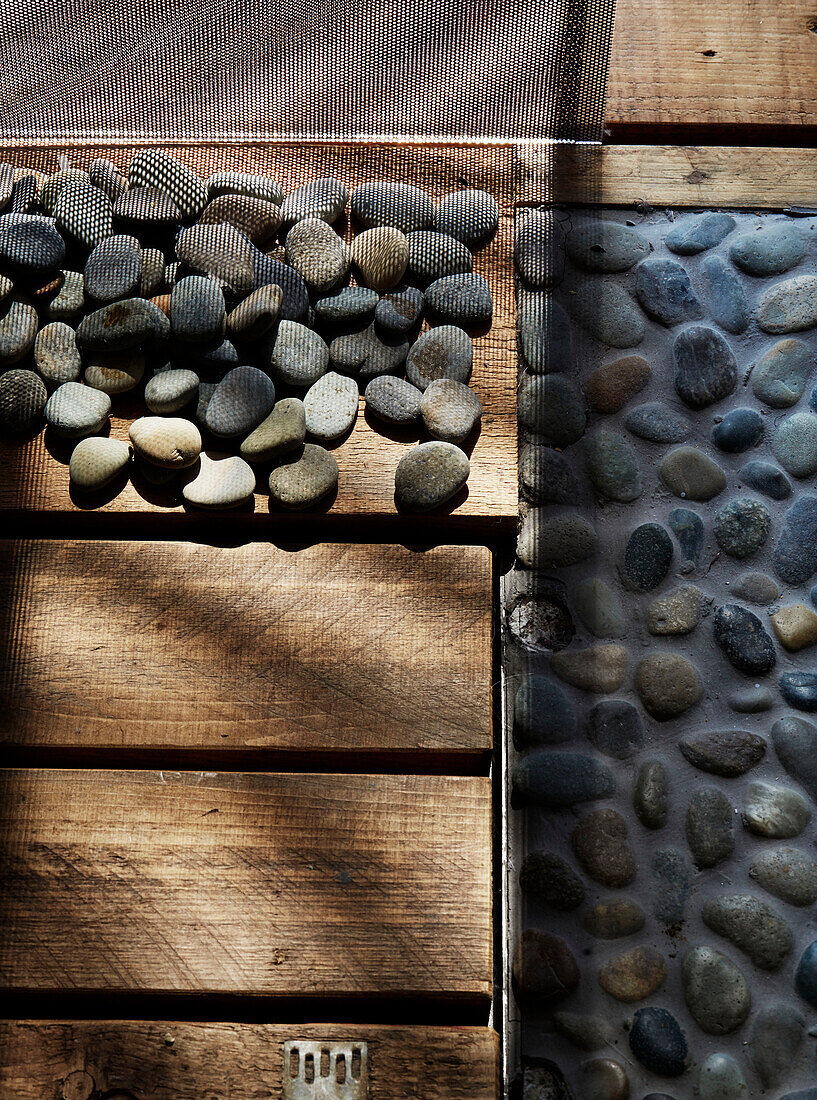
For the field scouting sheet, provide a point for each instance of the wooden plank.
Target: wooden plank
(36, 474)
(182, 1061)
(235, 651)
(735, 62)
(626, 175)
(252, 884)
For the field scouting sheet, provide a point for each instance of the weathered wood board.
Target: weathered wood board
(735, 62)
(671, 175)
(184, 1061)
(247, 650)
(284, 885)
(36, 472)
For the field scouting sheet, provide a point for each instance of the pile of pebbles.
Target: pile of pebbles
(227, 308)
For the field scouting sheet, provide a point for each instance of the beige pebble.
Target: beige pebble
(600, 668)
(795, 626)
(168, 441)
(381, 256)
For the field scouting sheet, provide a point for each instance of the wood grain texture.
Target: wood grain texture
(36, 472)
(731, 62)
(626, 175)
(246, 649)
(184, 1061)
(286, 885)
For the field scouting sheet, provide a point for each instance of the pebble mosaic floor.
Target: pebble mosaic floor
(660, 658)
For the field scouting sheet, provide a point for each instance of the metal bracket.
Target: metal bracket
(325, 1071)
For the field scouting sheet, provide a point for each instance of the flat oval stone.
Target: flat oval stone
(70, 300)
(539, 248)
(318, 254)
(23, 194)
(155, 168)
(551, 880)
(799, 689)
(331, 406)
(751, 700)
(18, 330)
(53, 185)
(115, 371)
(114, 269)
(715, 990)
(770, 250)
(436, 255)
(255, 217)
(647, 557)
(780, 375)
(805, 979)
(552, 406)
(671, 883)
(151, 278)
(795, 444)
(775, 811)
(349, 306)
(242, 399)
(742, 527)
(221, 252)
(295, 299)
(692, 475)
(22, 401)
(543, 967)
(752, 926)
(256, 314)
(767, 479)
(430, 475)
(547, 541)
(197, 310)
(85, 214)
(658, 1043)
(468, 216)
(720, 1078)
(795, 626)
(724, 752)
(324, 198)
(460, 299)
(612, 466)
(122, 325)
(756, 588)
(668, 685)
(304, 478)
(775, 1042)
(600, 845)
(545, 335)
(75, 410)
(368, 354)
(677, 612)
(223, 481)
(171, 390)
(614, 727)
(705, 367)
(393, 399)
(788, 873)
(612, 920)
(30, 244)
(56, 354)
(546, 476)
(698, 232)
(607, 313)
(635, 975)
(655, 423)
(739, 430)
(104, 174)
(651, 795)
(399, 312)
(584, 1032)
(543, 714)
(244, 183)
(612, 385)
(742, 638)
(299, 356)
(795, 556)
(558, 779)
(146, 208)
(710, 829)
(442, 352)
(663, 288)
(727, 300)
(284, 430)
(599, 608)
(381, 257)
(450, 410)
(392, 203)
(606, 246)
(96, 461)
(600, 668)
(790, 306)
(169, 442)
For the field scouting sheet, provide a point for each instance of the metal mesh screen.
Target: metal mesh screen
(472, 70)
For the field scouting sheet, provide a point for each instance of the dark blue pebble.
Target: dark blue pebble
(795, 742)
(688, 528)
(805, 979)
(799, 689)
(741, 636)
(795, 556)
(739, 430)
(727, 301)
(698, 232)
(559, 779)
(658, 1043)
(647, 557)
(665, 292)
(767, 479)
